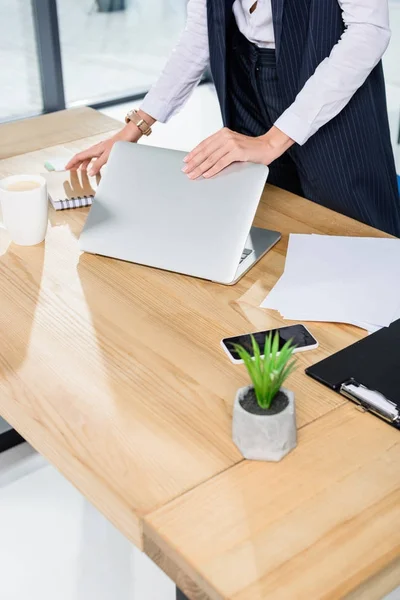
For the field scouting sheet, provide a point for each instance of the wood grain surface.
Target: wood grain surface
(321, 524)
(20, 137)
(114, 372)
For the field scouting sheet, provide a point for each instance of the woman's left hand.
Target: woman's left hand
(225, 147)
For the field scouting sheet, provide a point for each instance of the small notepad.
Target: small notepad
(70, 189)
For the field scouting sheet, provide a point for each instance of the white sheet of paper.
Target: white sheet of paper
(339, 279)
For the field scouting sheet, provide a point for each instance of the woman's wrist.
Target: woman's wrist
(278, 140)
(131, 132)
(146, 117)
(275, 143)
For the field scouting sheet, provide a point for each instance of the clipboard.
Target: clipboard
(367, 373)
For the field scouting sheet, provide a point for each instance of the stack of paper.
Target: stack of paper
(341, 280)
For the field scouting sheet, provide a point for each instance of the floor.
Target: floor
(56, 546)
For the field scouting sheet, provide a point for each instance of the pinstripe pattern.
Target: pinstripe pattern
(348, 164)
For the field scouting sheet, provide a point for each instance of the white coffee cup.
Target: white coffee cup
(24, 205)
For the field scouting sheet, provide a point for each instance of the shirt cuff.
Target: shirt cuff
(160, 111)
(296, 128)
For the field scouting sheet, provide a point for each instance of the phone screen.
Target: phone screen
(300, 336)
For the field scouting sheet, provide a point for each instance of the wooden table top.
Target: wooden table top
(20, 137)
(114, 372)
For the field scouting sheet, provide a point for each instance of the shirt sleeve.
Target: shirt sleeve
(184, 68)
(339, 76)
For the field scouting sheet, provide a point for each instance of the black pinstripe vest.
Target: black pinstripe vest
(305, 33)
(349, 162)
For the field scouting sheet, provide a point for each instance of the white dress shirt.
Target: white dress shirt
(324, 95)
(257, 26)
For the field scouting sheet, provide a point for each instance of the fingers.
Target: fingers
(221, 164)
(203, 155)
(200, 148)
(210, 153)
(97, 164)
(86, 186)
(86, 155)
(208, 163)
(221, 134)
(85, 164)
(224, 143)
(73, 163)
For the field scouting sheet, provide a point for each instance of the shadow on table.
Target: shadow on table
(74, 219)
(21, 270)
(162, 419)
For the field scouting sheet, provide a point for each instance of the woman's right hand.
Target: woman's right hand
(99, 153)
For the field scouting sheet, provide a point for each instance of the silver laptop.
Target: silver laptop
(147, 211)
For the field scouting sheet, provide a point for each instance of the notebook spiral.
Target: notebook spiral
(72, 203)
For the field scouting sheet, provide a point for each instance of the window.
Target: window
(20, 78)
(110, 53)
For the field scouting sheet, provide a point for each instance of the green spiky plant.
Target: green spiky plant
(269, 372)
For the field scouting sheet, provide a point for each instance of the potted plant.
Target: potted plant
(264, 417)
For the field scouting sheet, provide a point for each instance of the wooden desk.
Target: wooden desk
(60, 127)
(114, 373)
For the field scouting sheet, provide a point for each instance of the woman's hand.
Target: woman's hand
(100, 152)
(225, 147)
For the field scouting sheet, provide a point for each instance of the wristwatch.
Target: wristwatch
(134, 116)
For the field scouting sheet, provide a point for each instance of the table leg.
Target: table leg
(180, 595)
(8, 437)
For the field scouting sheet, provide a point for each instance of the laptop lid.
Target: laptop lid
(147, 211)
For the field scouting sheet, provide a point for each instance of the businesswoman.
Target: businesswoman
(301, 88)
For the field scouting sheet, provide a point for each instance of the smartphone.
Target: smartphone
(300, 336)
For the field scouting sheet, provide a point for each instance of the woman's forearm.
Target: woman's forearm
(184, 68)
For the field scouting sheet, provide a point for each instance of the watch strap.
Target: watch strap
(134, 116)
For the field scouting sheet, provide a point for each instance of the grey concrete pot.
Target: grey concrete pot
(264, 437)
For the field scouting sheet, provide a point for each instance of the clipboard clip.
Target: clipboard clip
(370, 400)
